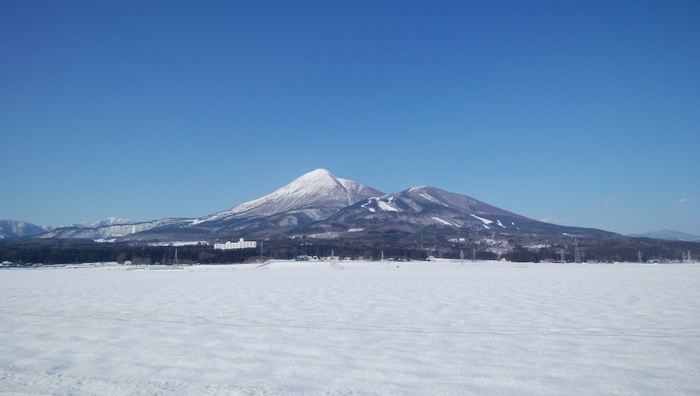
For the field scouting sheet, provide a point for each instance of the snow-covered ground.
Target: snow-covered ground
(352, 328)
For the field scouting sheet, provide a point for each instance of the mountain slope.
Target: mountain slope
(424, 208)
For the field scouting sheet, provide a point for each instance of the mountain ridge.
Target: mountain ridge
(425, 211)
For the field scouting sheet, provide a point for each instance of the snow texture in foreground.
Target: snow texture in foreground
(352, 328)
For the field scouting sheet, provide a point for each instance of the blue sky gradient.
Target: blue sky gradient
(579, 113)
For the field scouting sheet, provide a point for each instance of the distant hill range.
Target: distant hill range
(670, 235)
(320, 206)
(17, 229)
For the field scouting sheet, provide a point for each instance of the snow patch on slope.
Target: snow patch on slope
(486, 221)
(445, 222)
(386, 207)
(431, 199)
(368, 208)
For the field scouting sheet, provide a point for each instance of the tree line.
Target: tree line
(52, 252)
(63, 251)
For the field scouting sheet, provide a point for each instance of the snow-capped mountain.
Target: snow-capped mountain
(320, 205)
(311, 197)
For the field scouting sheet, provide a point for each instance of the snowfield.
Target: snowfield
(352, 328)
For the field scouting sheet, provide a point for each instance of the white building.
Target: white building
(241, 244)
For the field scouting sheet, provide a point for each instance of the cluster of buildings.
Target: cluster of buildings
(241, 244)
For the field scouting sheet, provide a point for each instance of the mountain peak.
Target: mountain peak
(320, 172)
(319, 178)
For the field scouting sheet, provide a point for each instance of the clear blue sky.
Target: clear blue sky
(583, 113)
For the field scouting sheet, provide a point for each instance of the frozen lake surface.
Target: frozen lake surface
(352, 328)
